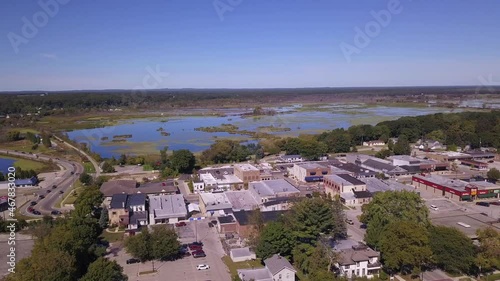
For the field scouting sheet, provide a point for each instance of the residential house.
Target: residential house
(167, 209)
(33, 181)
(128, 210)
(112, 187)
(277, 268)
(309, 172)
(358, 261)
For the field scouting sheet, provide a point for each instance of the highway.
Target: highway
(63, 180)
(94, 163)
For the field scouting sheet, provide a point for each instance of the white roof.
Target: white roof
(167, 206)
(246, 167)
(279, 187)
(242, 200)
(215, 201)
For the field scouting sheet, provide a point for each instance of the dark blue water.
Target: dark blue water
(146, 138)
(5, 163)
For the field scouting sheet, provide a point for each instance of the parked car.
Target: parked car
(55, 212)
(214, 222)
(484, 204)
(48, 191)
(199, 254)
(363, 226)
(349, 221)
(197, 243)
(61, 192)
(133, 260)
(35, 212)
(435, 208)
(33, 203)
(195, 247)
(210, 224)
(179, 224)
(54, 186)
(41, 196)
(203, 266)
(495, 203)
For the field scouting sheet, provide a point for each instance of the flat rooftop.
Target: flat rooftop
(215, 201)
(474, 221)
(377, 185)
(273, 187)
(246, 167)
(311, 166)
(443, 181)
(167, 206)
(241, 200)
(343, 179)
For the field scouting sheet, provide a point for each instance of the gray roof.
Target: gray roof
(355, 169)
(381, 166)
(136, 200)
(110, 188)
(118, 201)
(377, 185)
(272, 188)
(311, 166)
(135, 217)
(357, 254)
(276, 263)
(241, 252)
(291, 156)
(344, 179)
(242, 200)
(260, 274)
(167, 206)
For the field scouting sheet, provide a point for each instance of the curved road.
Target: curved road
(94, 163)
(63, 180)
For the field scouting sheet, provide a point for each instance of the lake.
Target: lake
(301, 120)
(5, 163)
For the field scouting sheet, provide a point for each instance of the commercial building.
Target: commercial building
(417, 165)
(359, 261)
(33, 181)
(242, 200)
(264, 191)
(453, 189)
(276, 268)
(352, 191)
(221, 182)
(309, 172)
(167, 209)
(382, 166)
(246, 172)
(374, 185)
(475, 164)
(374, 143)
(112, 187)
(215, 204)
(353, 170)
(292, 158)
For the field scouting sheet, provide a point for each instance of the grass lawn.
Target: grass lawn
(147, 167)
(25, 145)
(70, 195)
(26, 164)
(89, 168)
(112, 237)
(233, 266)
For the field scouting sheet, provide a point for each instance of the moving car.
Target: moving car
(48, 191)
(54, 186)
(435, 208)
(41, 196)
(349, 221)
(55, 212)
(484, 204)
(33, 203)
(61, 192)
(203, 266)
(179, 224)
(133, 260)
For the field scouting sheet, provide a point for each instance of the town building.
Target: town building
(276, 268)
(451, 188)
(33, 181)
(246, 172)
(242, 200)
(381, 166)
(113, 187)
(309, 172)
(358, 261)
(215, 204)
(267, 191)
(374, 143)
(220, 182)
(416, 165)
(244, 222)
(128, 210)
(374, 185)
(352, 191)
(475, 164)
(353, 170)
(167, 209)
(198, 186)
(291, 158)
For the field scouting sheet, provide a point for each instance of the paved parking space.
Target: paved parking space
(185, 268)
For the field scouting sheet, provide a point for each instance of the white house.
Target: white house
(277, 268)
(359, 261)
(374, 143)
(291, 158)
(167, 209)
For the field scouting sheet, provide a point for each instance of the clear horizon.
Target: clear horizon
(64, 45)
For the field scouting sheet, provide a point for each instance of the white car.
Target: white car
(203, 266)
(435, 208)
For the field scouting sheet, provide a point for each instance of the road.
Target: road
(63, 180)
(94, 163)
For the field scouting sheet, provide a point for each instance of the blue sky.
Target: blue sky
(90, 44)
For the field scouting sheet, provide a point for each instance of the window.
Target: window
(357, 272)
(363, 272)
(113, 213)
(312, 173)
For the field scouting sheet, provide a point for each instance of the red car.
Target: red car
(199, 254)
(179, 224)
(195, 248)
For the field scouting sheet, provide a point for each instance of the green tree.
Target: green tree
(392, 206)
(46, 140)
(182, 161)
(45, 264)
(123, 159)
(452, 250)
(164, 243)
(488, 256)
(339, 224)
(493, 174)
(405, 247)
(85, 178)
(104, 218)
(13, 135)
(107, 167)
(139, 246)
(384, 153)
(402, 147)
(274, 239)
(104, 270)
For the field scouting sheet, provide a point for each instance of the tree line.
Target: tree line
(398, 226)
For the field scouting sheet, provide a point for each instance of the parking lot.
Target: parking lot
(185, 268)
